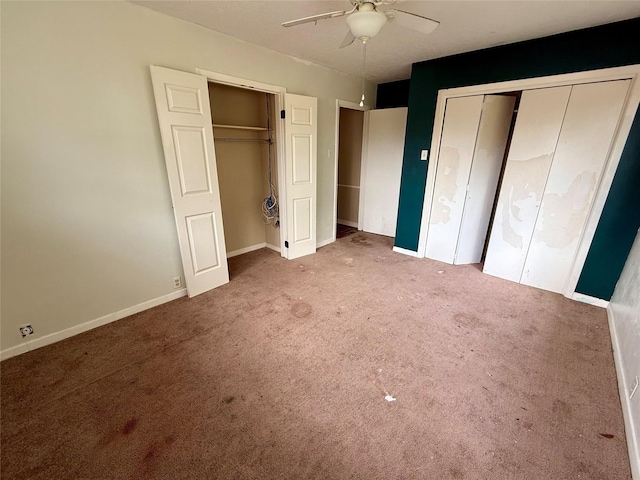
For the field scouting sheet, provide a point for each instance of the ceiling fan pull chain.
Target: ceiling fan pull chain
(364, 66)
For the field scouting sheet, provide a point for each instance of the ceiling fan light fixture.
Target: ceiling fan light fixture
(366, 24)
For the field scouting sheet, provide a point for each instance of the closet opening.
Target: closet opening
(245, 141)
(350, 134)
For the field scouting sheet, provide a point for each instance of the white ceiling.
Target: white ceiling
(464, 26)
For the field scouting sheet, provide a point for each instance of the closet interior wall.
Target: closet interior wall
(242, 141)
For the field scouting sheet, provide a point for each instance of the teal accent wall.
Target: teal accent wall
(393, 94)
(610, 45)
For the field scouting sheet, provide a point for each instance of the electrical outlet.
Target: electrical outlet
(634, 388)
(26, 330)
(424, 154)
(177, 282)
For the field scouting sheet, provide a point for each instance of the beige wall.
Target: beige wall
(350, 149)
(349, 164)
(348, 202)
(87, 223)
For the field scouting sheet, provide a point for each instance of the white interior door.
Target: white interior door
(301, 132)
(381, 169)
(589, 124)
(495, 122)
(184, 116)
(457, 144)
(540, 116)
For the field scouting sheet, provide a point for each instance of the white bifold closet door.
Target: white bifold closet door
(587, 131)
(495, 122)
(534, 140)
(301, 132)
(184, 116)
(472, 146)
(560, 145)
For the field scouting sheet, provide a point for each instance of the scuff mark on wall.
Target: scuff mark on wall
(522, 189)
(563, 215)
(446, 185)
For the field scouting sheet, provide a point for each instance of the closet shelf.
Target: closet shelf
(241, 140)
(240, 127)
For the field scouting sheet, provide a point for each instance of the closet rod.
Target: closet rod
(253, 140)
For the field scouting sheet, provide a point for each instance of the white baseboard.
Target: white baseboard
(240, 251)
(404, 251)
(623, 389)
(581, 297)
(348, 223)
(322, 243)
(13, 351)
(90, 325)
(273, 247)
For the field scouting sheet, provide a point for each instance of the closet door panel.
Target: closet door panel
(540, 116)
(497, 112)
(301, 133)
(382, 169)
(590, 122)
(459, 133)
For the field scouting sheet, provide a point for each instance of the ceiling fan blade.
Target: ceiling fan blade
(414, 22)
(314, 18)
(348, 39)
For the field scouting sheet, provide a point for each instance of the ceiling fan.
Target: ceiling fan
(365, 20)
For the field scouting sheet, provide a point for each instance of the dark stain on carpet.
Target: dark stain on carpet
(360, 240)
(301, 309)
(130, 426)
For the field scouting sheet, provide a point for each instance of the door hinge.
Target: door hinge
(282, 112)
(286, 244)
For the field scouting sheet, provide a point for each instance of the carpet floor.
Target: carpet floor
(353, 363)
(344, 230)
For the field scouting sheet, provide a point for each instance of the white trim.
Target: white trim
(631, 105)
(282, 180)
(352, 106)
(576, 78)
(253, 248)
(91, 324)
(279, 93)
(273, 247)
(240, 82)
(348, 223)
(325, 242)
(431, 172)
(248, 249)
(404, 251)
(581, 297)
(13, 351)
(623, 390)
(364, 160)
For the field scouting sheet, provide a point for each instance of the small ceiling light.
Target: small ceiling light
(366, 22)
